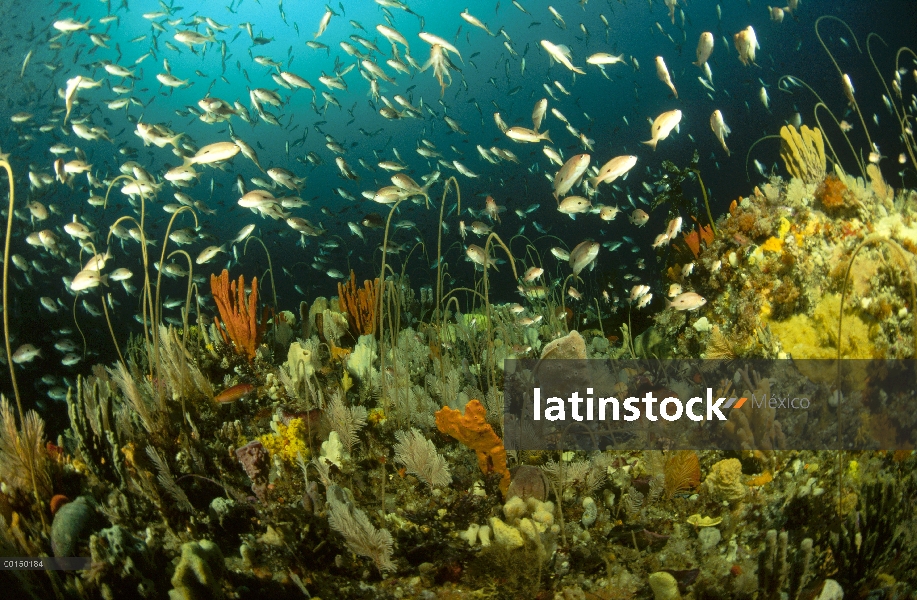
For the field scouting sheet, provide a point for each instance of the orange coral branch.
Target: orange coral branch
(706, 233)
(472, 430)
(239, 326)
(692, 239)
(359, 304)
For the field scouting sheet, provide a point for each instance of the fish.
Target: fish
(87, 279)
(472, 20)
(213, 153)
(561, 54)
(704, 49)
(613, 169)
(25, 63)
(608, 213)
(663, 73)
(639, 217)
(73, 85)
(569, 174)
(208, 254)
(531, 274)
(560, 253)
(746, 43)
(236, 392)
(686, 301)
(574, 205)
(244, 233)
(720, 129)
(674, 228)
(323, 24)
(477, 255)
(538, 113)
(583, 255)
(26, 353)
(638, 291)
(663, 126)
(521, 134)
(68, 26)
(435, 40)
(393, 36)
(600, 59)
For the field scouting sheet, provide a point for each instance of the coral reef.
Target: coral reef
(337, 461)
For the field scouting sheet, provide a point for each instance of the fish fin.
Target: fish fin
(651, 143)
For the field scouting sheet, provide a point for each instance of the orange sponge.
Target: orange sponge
(473, 430)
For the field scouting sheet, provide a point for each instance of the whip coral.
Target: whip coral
(473, 430)
(238, 321)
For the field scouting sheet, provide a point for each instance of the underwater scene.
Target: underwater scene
(524, 299)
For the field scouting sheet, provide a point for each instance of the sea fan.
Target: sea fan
(419, 456)
(682, 472)
(361, 536)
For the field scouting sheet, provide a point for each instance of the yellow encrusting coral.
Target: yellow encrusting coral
(288, 441)
(815, 336)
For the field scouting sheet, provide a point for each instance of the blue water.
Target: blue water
(612, 111)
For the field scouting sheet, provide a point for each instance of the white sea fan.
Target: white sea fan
(345, 420)
(361, 536)
(419, 456)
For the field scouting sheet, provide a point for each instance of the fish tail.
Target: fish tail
(652, 143)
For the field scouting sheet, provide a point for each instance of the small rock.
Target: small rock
(664, 586)
(71, 523)
(528, 482)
